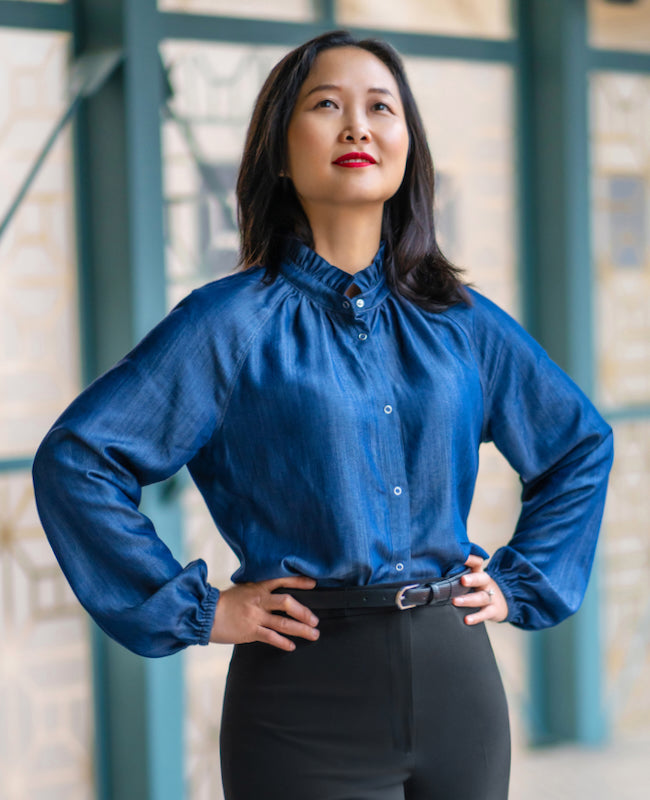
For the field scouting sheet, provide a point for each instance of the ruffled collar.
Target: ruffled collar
(326, 283)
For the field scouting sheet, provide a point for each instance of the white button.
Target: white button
(388, 409)
(360, 303)
(363, 336)
(398, 490)
(399, 566)
(346, 304)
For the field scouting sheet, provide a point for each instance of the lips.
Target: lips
(355, 160)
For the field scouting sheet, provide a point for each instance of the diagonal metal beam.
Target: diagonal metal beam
(88, 74)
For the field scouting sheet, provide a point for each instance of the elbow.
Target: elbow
(44, 467)
(604, 440)
(602, 456)
(608, 446)
(51, 467)
(47, 458)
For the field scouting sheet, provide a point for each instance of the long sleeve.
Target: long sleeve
(552, 435)
(138, 423)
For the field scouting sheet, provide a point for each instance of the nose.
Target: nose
(360, 136)
(355, 130)
(355, 133)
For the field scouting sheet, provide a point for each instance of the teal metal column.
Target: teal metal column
(557, 301)
(138, 701)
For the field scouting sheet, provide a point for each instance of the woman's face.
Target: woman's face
(349, 102)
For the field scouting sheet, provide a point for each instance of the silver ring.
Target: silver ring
(490, 594)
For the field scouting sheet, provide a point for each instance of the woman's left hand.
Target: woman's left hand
(486, 595)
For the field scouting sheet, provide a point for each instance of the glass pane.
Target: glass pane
(39, 370)
(46, 682)
(621, 246)
(214, 89)
(488, 19)
(299, 10)
(625, 554)
(620, 26)
(472, 145)
(471, 142)
(621, 236)
(45, 670)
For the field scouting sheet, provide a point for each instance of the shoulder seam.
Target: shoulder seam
(240, 363)
(484, 392)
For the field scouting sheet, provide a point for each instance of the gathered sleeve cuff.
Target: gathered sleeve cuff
(562, 449)
(533, 603)
(136, 424)
(179, 614)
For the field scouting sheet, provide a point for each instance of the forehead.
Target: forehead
(349, 67)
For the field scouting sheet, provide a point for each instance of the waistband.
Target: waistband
(400, 596)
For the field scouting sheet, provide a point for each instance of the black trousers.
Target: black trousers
(386, 705)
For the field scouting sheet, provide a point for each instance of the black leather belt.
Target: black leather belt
(405, 595)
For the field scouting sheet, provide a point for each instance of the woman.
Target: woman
(329, 401)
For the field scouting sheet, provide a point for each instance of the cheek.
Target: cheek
(399, 145)
(396, 151)
(303, 142)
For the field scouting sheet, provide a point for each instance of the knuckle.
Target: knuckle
(279, 641)
(262, 634)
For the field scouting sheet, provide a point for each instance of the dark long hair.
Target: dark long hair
(268, 208)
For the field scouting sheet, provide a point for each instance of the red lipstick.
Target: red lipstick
(355, 160)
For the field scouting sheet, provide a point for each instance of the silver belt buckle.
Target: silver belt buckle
(399, 597)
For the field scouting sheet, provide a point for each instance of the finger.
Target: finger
(273, 638)
(474, 599)
(477, 580)
(293, 581)
(289, 604)
(483, 615)
(290, 627)
(475, 562)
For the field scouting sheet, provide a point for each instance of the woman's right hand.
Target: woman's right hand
(243, 614)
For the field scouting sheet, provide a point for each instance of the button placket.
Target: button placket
(361, 324)
(400, 507)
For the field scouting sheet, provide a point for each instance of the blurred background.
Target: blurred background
(121, 129)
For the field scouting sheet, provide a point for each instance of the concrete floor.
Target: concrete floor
(619, 771)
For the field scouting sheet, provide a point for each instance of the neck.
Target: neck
(346, 237)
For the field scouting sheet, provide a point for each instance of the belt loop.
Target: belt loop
(445, 591)
(440, 592)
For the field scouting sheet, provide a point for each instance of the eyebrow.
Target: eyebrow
(322, 86)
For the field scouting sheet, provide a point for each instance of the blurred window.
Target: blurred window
(619, 25)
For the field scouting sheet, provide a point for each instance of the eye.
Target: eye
(326, 100)
(382, 104)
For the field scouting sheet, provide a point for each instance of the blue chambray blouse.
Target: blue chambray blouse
(329, 436)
